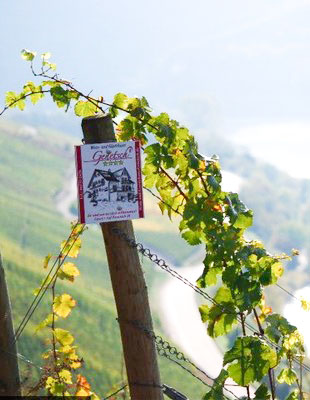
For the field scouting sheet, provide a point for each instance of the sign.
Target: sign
(109, 181)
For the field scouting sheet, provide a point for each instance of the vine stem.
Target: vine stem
(244, 334)
(261, 332)
(175, 183)
(299, 382)
(22, 98)
(53, 331)
(69, 85)
(203, 182)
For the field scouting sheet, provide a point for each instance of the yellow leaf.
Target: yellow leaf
(65, 375)
(63, 305)
(266, 310)
(64, 337)
(46, 260)
(70, 269)
(50, 382)
(78, 229)
(46, 322)
(277, 269)
(71, 248)
(66, 349)
(70, 356)
(74, 361)
(202, 165)
(305, 304)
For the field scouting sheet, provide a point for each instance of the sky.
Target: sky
(238, 68)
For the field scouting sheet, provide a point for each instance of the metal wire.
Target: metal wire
(23, 358)
(114, 393)
(165, 267)
(31, 310)
(165, 349)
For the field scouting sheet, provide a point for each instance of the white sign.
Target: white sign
(109, 181)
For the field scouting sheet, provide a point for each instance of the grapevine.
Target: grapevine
(188, 184)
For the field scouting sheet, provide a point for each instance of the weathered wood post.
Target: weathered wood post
(9, 373)
(129, 289)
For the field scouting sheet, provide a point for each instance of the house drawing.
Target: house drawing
(110, 186)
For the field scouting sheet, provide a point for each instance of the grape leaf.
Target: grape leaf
(287, 375)
(85, 108)
(28, 55)
(64, 337)
(262, 393)
(63, 305)
(65, 376)
(70, 269)
(249, 360)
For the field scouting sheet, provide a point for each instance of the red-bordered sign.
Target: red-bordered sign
(109, 181)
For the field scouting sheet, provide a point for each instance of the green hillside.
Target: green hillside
(33, 164)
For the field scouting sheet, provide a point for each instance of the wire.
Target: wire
(287, 292)
(117, 391)
(163, 265)
(21, 357)
(165, 349)
(32, 308)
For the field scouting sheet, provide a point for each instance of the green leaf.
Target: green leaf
(49, 65)
(287, 375)
(85, 109)
(262, 393)
(193, 161)
(216, 392)
(204, 312)
(120, 100)
(50, 83)
(278, 327)
(60, 96)
(209, 277)
(294, 395)
(213, 183)
(13, 99)
(36, 91)
(28, 55)
(244, 220)
(246, 292)
(150, 180)
(192, 237)
(249, 360)
(221, 316)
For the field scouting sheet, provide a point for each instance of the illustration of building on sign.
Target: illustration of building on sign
(107, 186)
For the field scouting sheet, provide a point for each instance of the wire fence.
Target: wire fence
(165, 267)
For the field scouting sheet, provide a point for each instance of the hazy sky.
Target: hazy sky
(225, 65)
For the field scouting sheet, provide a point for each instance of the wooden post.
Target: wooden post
(9, 373)
(129, 289)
